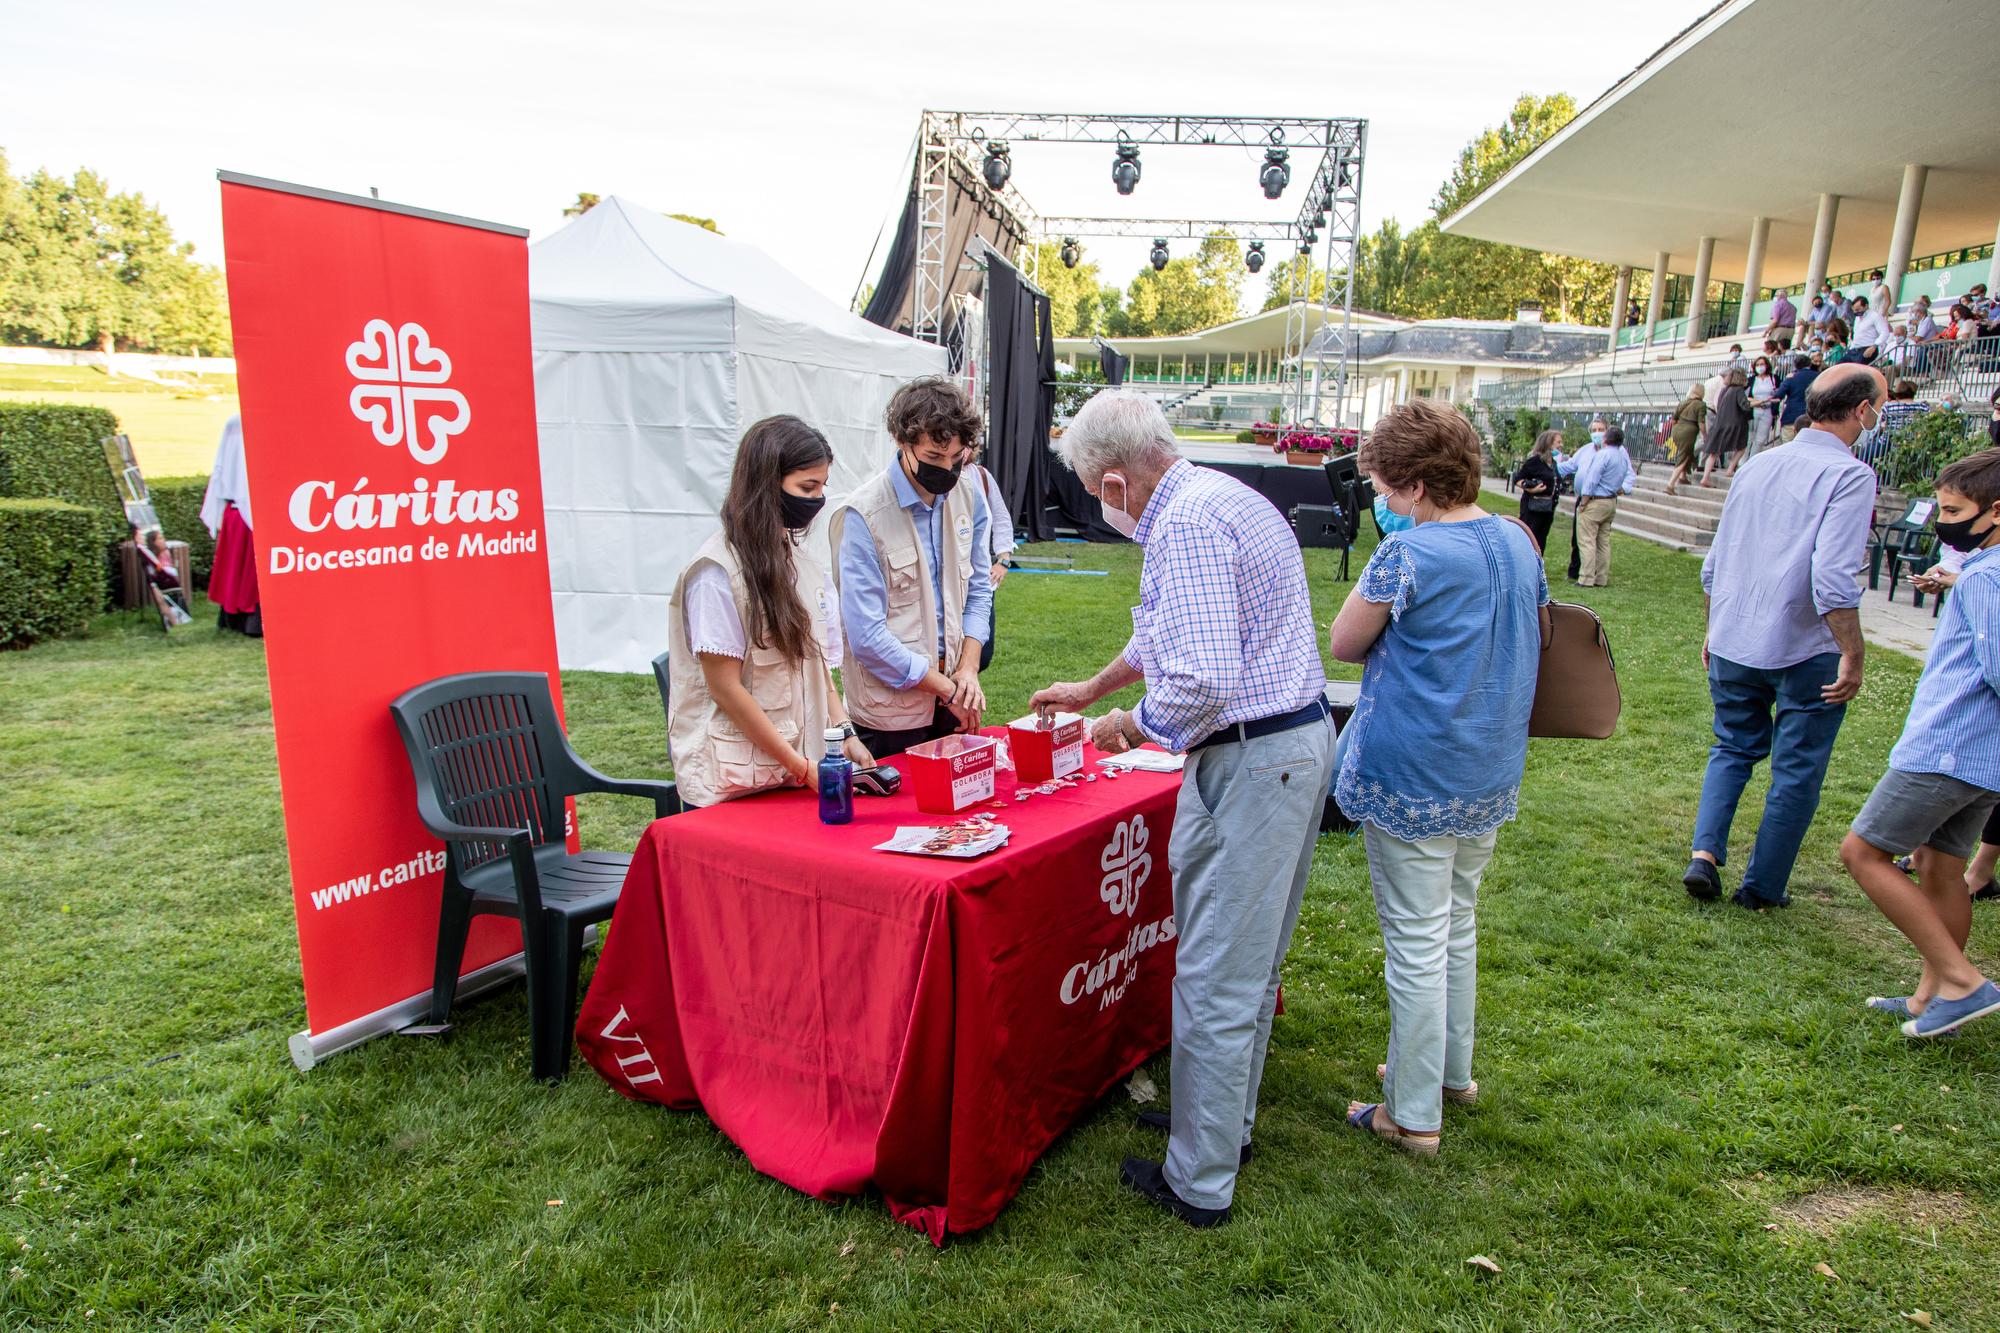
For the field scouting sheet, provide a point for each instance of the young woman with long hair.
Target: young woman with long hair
(753, 631)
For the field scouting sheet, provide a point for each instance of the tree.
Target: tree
(586, 201)
(1297, 274)
(82, 265)
(1186, 295)
(1483, 280)
(1077, 306)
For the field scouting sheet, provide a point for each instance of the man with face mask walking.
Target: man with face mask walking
(916, 595)
(1784, 650)
(1223, 638)
(1603, 472)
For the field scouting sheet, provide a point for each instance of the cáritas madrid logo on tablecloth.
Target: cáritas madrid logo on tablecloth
(403, 396)
(1127, 865)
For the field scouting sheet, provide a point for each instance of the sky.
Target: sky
(789, 123)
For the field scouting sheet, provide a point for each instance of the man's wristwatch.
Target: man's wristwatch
(847, 730)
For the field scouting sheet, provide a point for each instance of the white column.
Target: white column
(1909, 204)
(1704, 259)
(1753, 272)
(1183, 367)
(1992, 269)
(1204, 366)
(1619, 295)
(1822, 247)
(1658, 295)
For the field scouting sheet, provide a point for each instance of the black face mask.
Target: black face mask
(800, 510)
(937, 480)
(1959, 536)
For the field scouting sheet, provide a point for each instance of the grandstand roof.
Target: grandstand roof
(1755, 110)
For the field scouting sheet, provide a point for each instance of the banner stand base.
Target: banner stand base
(309, 1048)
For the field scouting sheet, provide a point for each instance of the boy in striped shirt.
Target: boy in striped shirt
(1944, 774)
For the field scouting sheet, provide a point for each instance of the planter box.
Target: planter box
(1305, 459)
(1267, 438)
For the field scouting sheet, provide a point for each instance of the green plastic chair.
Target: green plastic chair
(493, 772)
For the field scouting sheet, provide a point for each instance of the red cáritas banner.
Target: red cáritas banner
(388, 409)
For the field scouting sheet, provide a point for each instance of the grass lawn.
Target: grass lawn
(173, 430)
(1684, 1108)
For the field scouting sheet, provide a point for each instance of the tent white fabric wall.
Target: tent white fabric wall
(656, 344)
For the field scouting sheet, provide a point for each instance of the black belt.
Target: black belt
(1264, 726)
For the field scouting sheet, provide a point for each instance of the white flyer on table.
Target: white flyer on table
(1146, 761)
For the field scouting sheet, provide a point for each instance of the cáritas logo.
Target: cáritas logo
(402, 395)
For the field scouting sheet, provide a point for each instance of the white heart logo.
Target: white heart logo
(400, 395)
(1126, 864)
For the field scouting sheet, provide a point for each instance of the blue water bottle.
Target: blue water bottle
(836, 781)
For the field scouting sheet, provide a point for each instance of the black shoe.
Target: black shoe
(1164, 1122)
(1703, 879)
(1989, 893)
(1752, 903)
(1145, 1178)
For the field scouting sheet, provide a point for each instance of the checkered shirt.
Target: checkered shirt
(1224, 629)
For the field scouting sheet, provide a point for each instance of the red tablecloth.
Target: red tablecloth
(852, 1018)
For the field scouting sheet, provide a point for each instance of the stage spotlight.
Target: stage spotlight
(1125, 170)
(1070, 254)
(998, 165)
(1310, 237)
(1254, 260)
(1159, 255)
(1277, 172)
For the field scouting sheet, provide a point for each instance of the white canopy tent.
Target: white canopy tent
(656, 344)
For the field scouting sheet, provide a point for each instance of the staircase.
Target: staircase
(1685, 522)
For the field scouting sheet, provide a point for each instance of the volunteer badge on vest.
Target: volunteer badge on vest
(402, 395)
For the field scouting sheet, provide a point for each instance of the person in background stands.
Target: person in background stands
(1633, 313)
(1690, 425)
(1539, 481)
(1880, 298)
(752, 634)
(1764, 398)
(1784, 320)
(1871, 333)
(916, 592)
(1944, 774)
(1976, 301)
(1001, 541)
(1223, 637)
(1598, 429)
(1841, 308)
(1835, 347)
(1445, 619)
(1737, 361)
(1729, 432)
(1792, 392)
(1783, 651)
(1901, 409)
(1817, 314)
(1603, 472)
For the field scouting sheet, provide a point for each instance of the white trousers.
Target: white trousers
(1425, 896)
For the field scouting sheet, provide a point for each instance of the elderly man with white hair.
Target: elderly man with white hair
(1223, 638)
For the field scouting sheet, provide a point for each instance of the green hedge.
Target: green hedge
(48, 452)
(178, 502)
(52, 573)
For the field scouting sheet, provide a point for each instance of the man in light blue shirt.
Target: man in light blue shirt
(1602, 471)
(1784, 648)
(916, 588)
(1944, 774)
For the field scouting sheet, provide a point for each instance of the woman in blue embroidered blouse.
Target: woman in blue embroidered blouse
(1445, 619)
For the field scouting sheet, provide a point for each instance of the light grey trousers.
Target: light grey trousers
(1426, 894)
(1242, 847)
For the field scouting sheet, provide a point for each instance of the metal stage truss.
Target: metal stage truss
(1315, 366)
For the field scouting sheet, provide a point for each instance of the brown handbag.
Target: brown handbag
(1576, 686)
(1576, 689)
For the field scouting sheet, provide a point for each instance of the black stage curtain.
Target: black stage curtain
(894, 303)
(1112, 362)
(1043, 497)
(892, 289)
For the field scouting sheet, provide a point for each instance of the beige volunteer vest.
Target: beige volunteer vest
(713, 760)
(912, 611)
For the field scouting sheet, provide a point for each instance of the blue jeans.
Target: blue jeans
(1774, 711)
